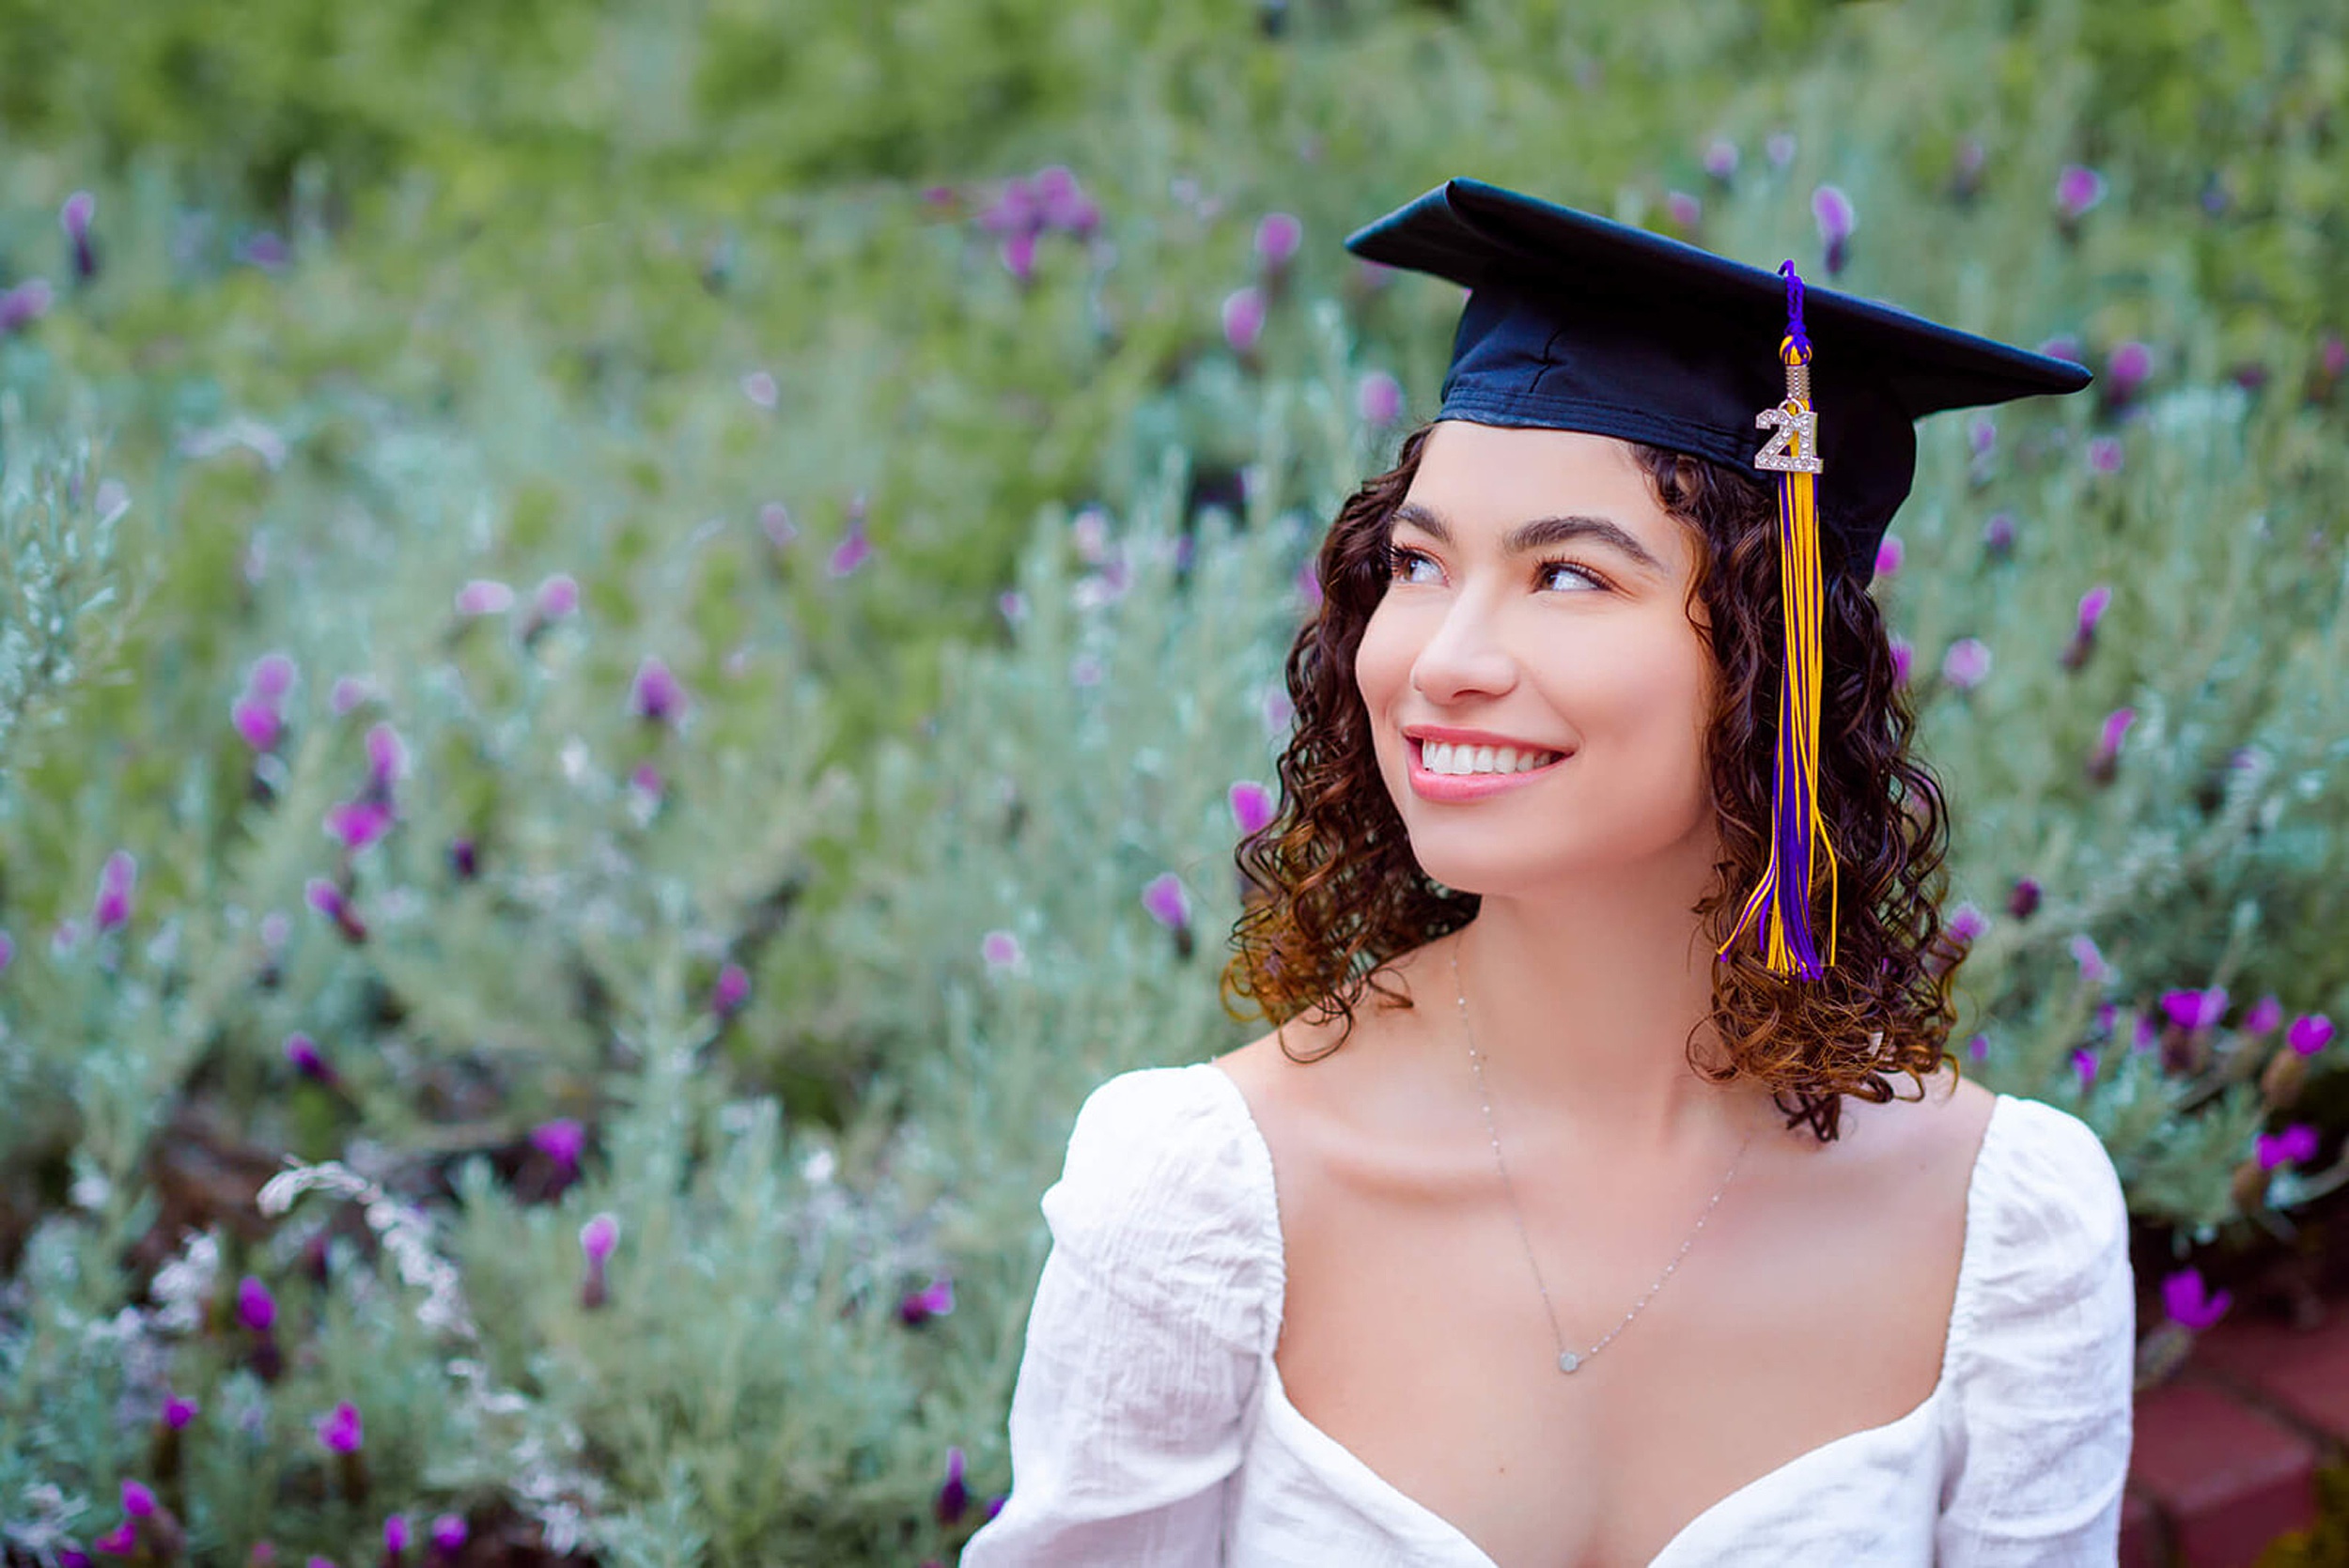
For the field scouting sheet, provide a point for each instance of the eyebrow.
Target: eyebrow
(1538, 533)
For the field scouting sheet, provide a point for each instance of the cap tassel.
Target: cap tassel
(1781, 903)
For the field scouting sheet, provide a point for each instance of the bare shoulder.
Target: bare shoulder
(1317, 1076)
(1934, 1132)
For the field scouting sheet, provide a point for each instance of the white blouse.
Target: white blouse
(1149, 1426)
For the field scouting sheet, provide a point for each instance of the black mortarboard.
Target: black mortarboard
(1575, 322)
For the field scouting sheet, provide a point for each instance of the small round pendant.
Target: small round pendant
(1568, 1362)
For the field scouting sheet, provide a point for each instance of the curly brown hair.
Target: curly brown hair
(1337, 893)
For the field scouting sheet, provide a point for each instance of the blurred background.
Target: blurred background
(634, 637)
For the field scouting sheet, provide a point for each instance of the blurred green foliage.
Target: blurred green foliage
(711, 315)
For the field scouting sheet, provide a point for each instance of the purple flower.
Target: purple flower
(349, 692)
(2106, 759)
(759, 387)
(852, 550)
(264, 249)
(2310, 1032)
(733, 989)
(1979, 1047)
(255, 1308)
(597, 1238)
(1167, 900)
(7, 951)
(2062, 345)
(1060, 202)
(2094, 970)
(2193, 1009)
(935, 1299)
(358, 823)
(1967, 664)
(2295, 1145)
(1086, 670)
(1252, 807)
(1831, 209)
(2078, 188)
(1243, 319)
(2130, 363)
(1720, 159)
(2189, 1303)
(117, 880)
(137, 1500)
(1016, 252)
(121, 1541)
(448, 1531)
(655, 695)
(775, 520)
(271, 677)
(256, 723)
(1981, 435)
(1683, 210)
(1379, 398)
(1903, 660)
(483, 597)
(1012, 604)
(953, 1497)
(340, 1429)
(74, 218)
(1278, 712)
(395, 1534)
(1968, 924)
(2093, 606)
(1998, 536)
(1308, 584)
(2105, 454)
(387, 757)
(556, 597)
(645, 781)
(2084, 1063)
(179, 1412)
(1890, 555)
(1278, 236)
(1014, 211)
(2022, 902)
(303, 1052)
(1000, 949)
(2264, 1016)
(24, 305)
(561, 1140)
(2148, 1033)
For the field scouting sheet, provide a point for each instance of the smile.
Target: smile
(1450, 774)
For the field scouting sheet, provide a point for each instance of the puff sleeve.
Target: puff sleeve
(1145, 1337)
(2047, 1360)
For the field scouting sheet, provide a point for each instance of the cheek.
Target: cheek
(1382, 660)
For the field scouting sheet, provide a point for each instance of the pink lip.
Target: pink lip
(1455, 788)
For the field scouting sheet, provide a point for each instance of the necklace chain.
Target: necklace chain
(1568, 1361)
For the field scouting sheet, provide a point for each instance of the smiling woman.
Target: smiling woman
(1600, 745)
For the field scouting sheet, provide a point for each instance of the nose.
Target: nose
(1463, 657)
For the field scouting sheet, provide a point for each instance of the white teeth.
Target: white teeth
(1437, 758)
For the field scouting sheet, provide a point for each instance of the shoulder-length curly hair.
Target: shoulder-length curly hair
(1335, 892)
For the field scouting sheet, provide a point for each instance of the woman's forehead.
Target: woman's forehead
(1489, 479)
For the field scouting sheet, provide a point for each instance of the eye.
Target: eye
(1399, 561)
(1589, 577)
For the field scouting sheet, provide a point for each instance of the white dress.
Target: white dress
(1149, 1427)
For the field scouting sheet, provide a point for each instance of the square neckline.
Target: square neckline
(1369, 1487)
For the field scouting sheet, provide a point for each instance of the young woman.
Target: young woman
(1600, 1237)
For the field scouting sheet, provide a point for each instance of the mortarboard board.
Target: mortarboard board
(1576, 322)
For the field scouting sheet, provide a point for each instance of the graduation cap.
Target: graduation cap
(1576, 322)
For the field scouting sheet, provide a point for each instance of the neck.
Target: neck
(1583, 1003)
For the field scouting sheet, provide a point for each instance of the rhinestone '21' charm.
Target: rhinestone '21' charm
(1796, 424)
(1568, 1361)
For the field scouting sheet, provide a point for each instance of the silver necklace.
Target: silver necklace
(1567, 1360)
